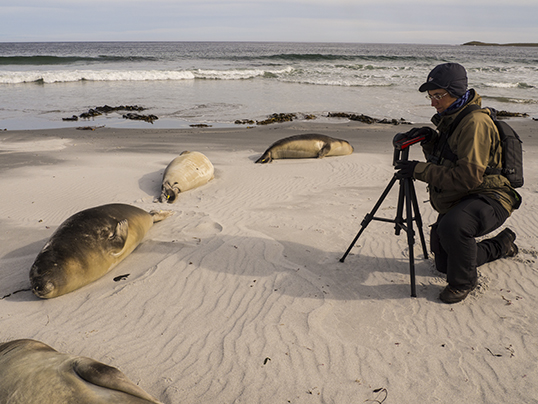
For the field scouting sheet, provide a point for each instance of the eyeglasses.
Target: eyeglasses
(436, 97)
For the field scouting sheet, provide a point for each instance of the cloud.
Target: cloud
(415, 21)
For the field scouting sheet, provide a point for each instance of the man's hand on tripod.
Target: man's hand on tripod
(415, 135)
(405, 168)
(427, 132)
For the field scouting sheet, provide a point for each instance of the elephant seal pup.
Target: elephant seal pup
(310, 145)
(188, 171)
(33, 372)
(88, 245)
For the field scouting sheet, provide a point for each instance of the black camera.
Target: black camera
(403, 140)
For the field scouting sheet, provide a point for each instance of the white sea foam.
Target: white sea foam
(64, 76)
(502, 85)
(238, 74)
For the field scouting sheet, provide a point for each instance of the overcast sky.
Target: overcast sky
(366, 21)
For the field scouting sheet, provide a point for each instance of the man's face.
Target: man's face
(441, 99)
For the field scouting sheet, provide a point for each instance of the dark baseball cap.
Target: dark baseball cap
(450, 76)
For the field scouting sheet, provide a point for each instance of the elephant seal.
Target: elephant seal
(311, 145)
(33, 372)
(88, 245)
(188, 171)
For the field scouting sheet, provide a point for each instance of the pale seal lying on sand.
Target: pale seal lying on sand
(33, 372)
(310, 145)
(88, 245)
(188, 171)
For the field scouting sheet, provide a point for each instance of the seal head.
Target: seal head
(169, 193)
(44, 284)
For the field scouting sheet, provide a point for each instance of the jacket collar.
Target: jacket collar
(442, 121)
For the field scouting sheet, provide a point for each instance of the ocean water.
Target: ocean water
(217, 83)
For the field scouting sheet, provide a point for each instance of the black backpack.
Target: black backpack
(512, 149)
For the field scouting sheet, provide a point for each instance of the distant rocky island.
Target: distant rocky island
(478, 43)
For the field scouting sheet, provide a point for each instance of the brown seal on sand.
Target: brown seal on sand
(88, 245)
(188, 171)
(33, 372)
(310, 145)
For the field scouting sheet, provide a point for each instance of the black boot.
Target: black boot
(505, 239)
(452, 294)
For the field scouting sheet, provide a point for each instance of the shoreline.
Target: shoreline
(523, 125)
(368, 137)
(116, 122)
(106, 121)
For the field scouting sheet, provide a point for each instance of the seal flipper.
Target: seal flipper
(119, 237)
(109, 377)
(324, 150)
(159, 215)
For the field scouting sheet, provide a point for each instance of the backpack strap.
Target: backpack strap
(465, 111)
(442, 145)
(490, 170)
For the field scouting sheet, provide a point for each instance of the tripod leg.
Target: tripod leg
(410, 234)
(368, 218)
(418, 220)
(398, 220)
(355, 239)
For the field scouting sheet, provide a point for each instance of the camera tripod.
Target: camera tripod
(407, 196)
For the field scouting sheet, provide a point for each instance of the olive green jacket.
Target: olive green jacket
(476, 144)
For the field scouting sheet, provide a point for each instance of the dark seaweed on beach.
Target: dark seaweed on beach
(277, 118)
(288, 117)
(138, 117)
(105, 109)
(367, 119)
(506, 114)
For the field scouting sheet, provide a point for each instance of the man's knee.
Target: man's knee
(451, 228)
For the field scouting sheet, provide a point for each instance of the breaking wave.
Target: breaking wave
(47, 60)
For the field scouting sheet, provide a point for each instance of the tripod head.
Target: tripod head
(403, 140)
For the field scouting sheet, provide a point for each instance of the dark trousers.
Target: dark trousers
(453, 239)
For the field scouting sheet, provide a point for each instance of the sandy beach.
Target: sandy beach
(240, 297)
